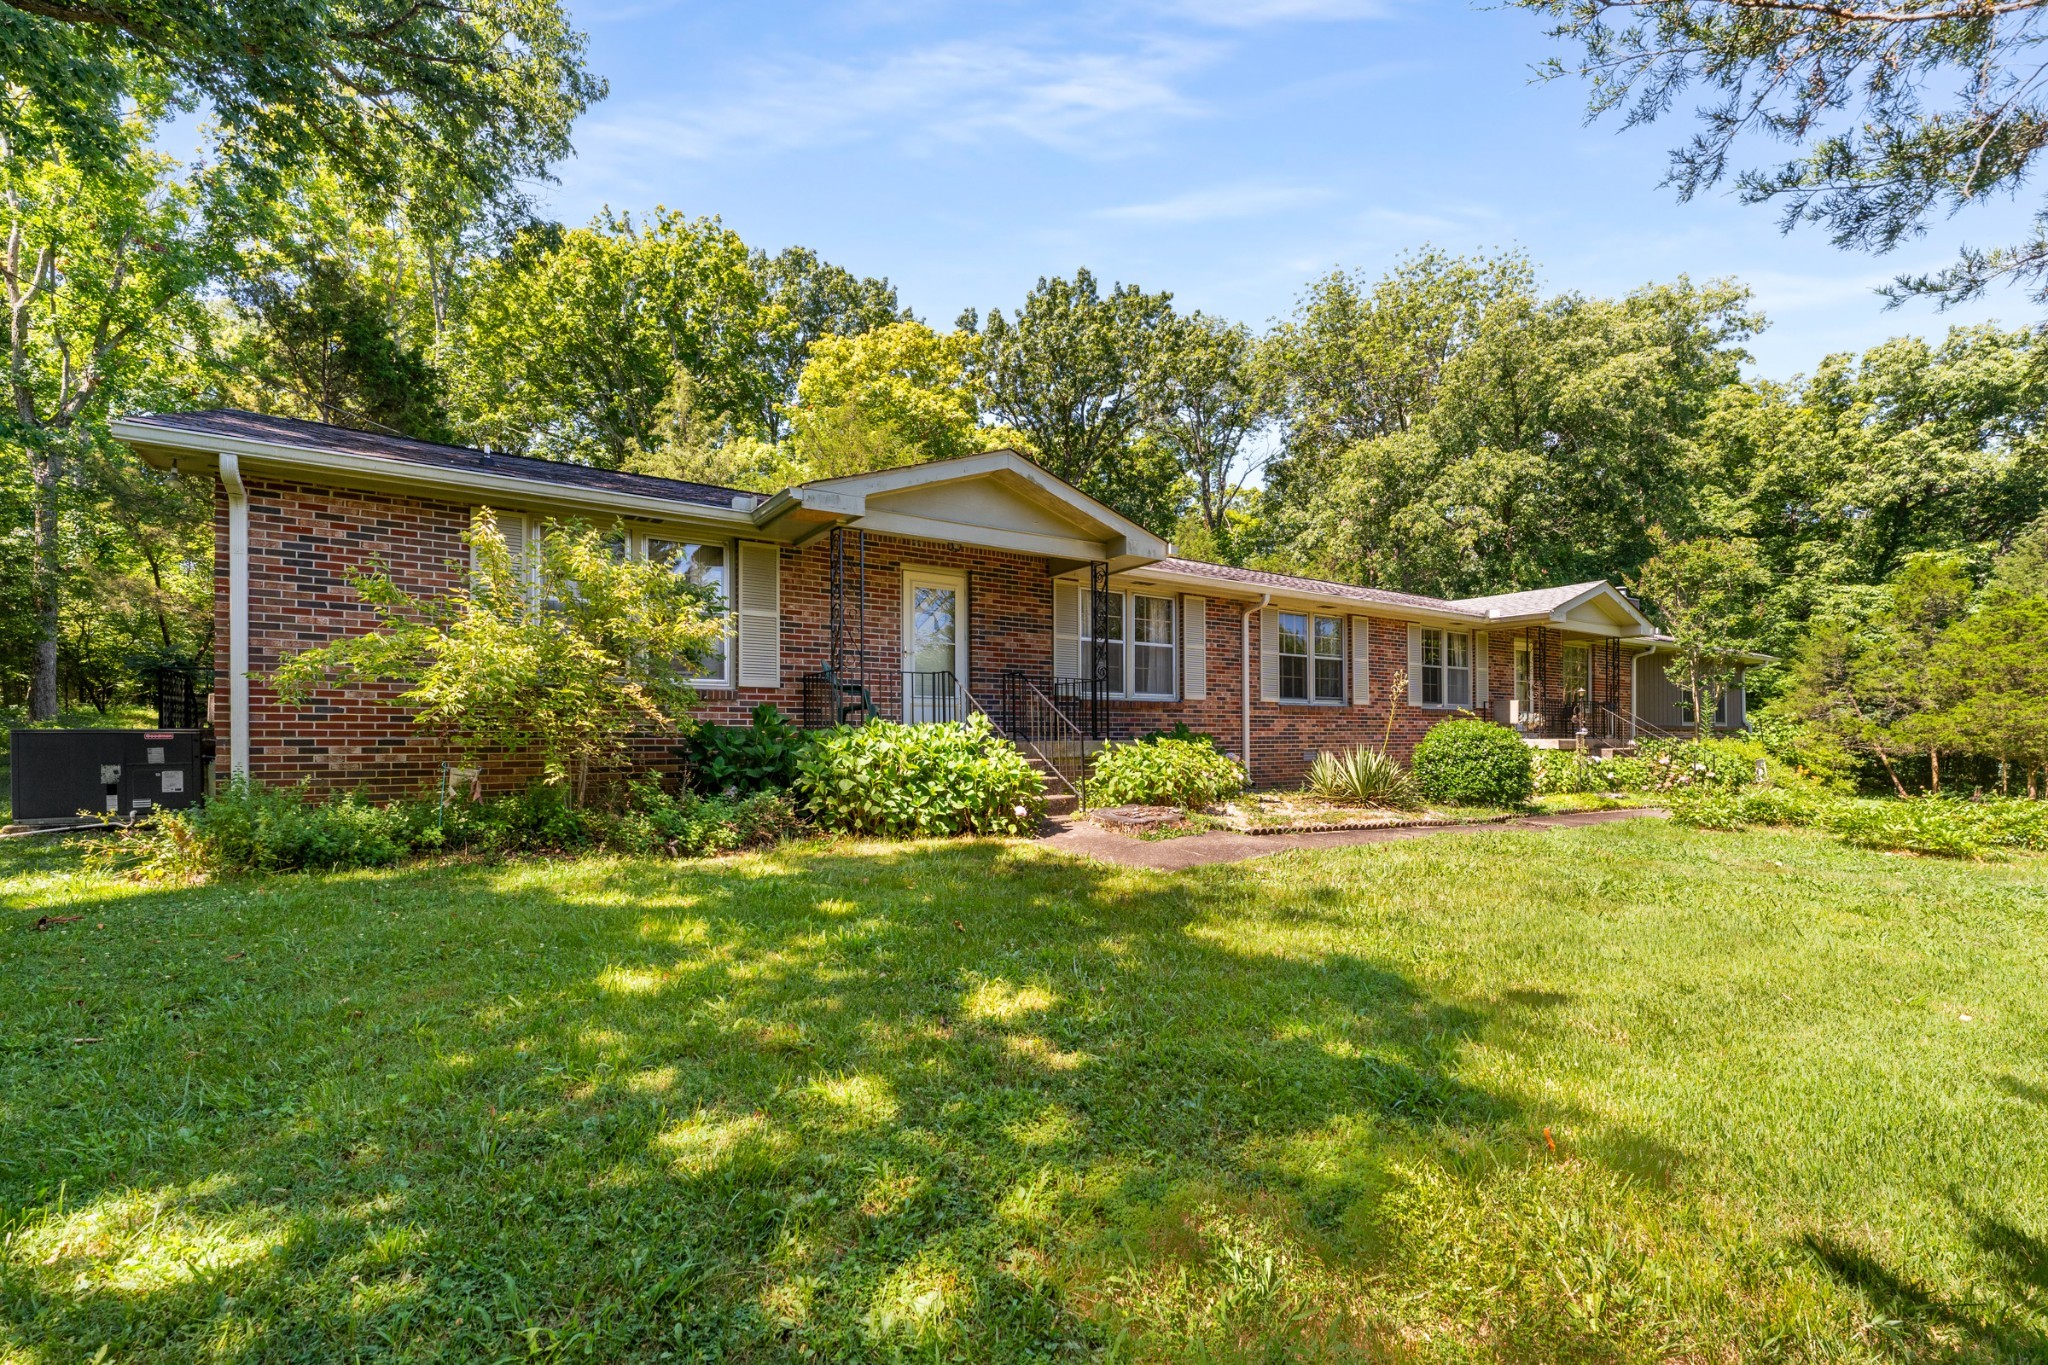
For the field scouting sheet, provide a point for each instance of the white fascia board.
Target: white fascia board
(468, 485)
(1137, 539)
(1607, 590)
(1748, 658)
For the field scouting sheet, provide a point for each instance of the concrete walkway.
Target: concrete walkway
(1074, 835)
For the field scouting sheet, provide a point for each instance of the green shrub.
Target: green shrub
(251, 828)
(745, 758)
(1929, 824)
(692, 826)
(1567, 771)
(1188, 773)
(1180, 730)
(919, 780)
(1364, 776)
(1678, 764)
(1716, 808)
(1473, 763)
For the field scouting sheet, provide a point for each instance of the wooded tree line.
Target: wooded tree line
(1447, 426)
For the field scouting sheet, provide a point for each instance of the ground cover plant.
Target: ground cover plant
(1927, 824)
(1622, 1093)
(251, 828)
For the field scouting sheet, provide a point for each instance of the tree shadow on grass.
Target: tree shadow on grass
(862, 1101)
(1910, 1310)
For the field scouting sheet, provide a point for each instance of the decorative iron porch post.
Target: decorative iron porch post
(1098, 662)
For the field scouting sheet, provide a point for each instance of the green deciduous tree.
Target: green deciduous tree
(455, 96)
(566, 661)
(1075, 370)
(894, 395)
(568, 342)
(1363, 359)
(1211, 405)
(813, 300)
(1552, 438)
(1909, 447)
(100, 269)
(1703, 592)
(1898, 111)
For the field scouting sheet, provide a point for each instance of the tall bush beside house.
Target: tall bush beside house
(743, 759)
(567, 660)
(1188, 773)
(1473, 763)
(919, 781)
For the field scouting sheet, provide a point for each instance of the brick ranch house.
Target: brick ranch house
(919, 593)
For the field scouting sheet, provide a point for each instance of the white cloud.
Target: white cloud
(1253, 13)
(1219, 204)
(1088, 103)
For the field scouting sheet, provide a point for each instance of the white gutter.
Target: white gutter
(238, 616)
(1245, 686)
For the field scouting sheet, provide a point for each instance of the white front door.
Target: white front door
(934, 644)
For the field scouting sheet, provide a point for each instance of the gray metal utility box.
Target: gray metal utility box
(58, 773)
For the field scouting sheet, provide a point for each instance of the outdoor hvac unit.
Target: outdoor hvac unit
(58, 773)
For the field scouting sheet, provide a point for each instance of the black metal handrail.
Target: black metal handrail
(933, 698)
(1038, 723)
(830, 700)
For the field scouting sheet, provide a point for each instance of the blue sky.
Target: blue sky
(1227, 150)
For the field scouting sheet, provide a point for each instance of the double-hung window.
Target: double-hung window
(1311, 657)
(1446, 668)
(705, 566)
(1151, 646)
(1138, 641)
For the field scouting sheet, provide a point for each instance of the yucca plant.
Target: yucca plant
(1364, 777)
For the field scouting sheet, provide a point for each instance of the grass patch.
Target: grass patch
(1619, 1093)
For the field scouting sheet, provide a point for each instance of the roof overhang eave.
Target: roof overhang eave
(199, 453)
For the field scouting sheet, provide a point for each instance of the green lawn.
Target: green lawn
(1620, 1093)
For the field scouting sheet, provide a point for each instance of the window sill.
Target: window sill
(1302, 701)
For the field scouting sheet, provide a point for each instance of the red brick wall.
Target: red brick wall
(305, 540)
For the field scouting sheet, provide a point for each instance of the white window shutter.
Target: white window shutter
(1066, 629)
(1414, 664)
(511, 526)
(1269, 654)
(760, 615)
(1361, 661)
(1482, 682)
(1194, 648)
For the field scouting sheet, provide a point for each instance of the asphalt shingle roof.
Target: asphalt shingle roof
(319, 436)
(1288, 583)
(1524, 603)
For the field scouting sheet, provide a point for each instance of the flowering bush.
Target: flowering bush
(1673, 765)
(1188, 773)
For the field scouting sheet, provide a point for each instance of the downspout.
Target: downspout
(1635, 690)
(238, 616)
(1245, 687)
